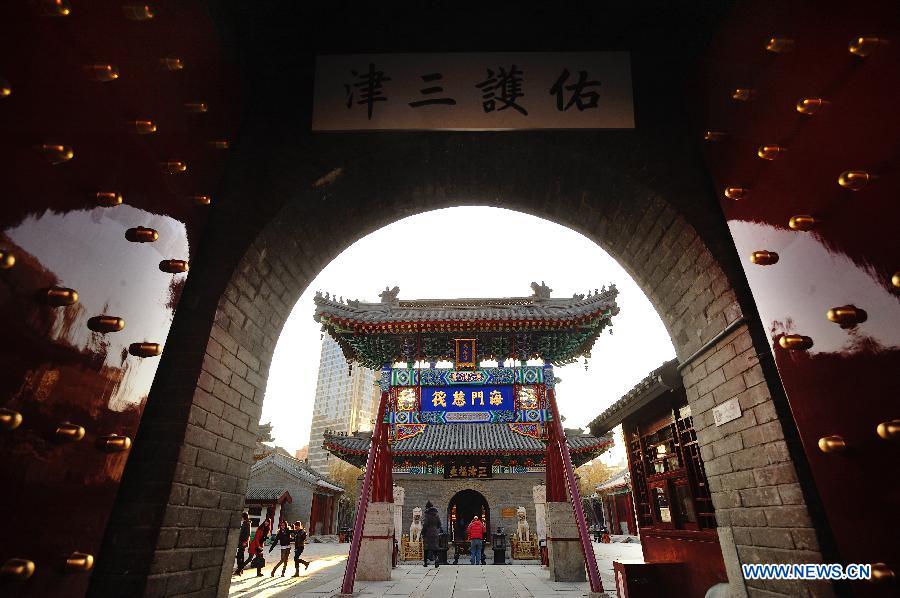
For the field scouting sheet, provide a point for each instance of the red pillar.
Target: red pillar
(379, 441)
(590, 559)
(555, 480)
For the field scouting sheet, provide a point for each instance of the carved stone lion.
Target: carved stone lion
(415, 529)
(523, 534)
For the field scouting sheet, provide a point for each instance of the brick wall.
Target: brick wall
(183, 488)
(501, 491)
(760, 504)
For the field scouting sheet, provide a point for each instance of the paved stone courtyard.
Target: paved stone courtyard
(323, 579)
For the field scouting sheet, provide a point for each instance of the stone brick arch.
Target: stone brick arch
(184, 486)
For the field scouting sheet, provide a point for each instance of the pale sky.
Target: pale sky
(509, 250)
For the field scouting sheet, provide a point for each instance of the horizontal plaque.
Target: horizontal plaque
(491, 91)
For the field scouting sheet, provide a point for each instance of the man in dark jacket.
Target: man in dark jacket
(243, 540)
(431, 530)
(299, 536)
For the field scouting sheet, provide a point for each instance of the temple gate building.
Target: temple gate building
(474, 440)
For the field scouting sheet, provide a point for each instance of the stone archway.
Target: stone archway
(186, 477)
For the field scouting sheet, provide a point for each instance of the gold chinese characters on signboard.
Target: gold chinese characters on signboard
(467, 470)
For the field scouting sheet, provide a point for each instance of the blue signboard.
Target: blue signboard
(456, 399)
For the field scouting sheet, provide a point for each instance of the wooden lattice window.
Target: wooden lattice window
(639, 483)
(696, 474)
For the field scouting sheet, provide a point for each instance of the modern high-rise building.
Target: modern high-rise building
(346, 401)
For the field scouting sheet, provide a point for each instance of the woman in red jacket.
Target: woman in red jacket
(256, 544)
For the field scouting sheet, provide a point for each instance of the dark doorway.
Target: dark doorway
(462, 508)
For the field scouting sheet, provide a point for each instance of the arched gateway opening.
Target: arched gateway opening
(465, 505)
(629, 216)
(291, 201)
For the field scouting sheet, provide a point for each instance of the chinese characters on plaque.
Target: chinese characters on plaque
(489, 91)
(467, 398)
(467, 470)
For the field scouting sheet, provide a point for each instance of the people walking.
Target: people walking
(431, 530)
(283, 541)
(243, 541)
(475, 534)
(256, 547)
(299, 537)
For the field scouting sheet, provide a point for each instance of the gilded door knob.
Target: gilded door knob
(832, 444)
(143, 126)
(712, 135)
(54, 8)
(770, 152)
(109, 199)
(137, 12)
(61, 296)
(779, 45)
(102, 73)
(889, 430)
(173, 266)
(7, 260)
(197, 107)
(79, 562)
(881, 573)
(5, 88)
(201, 200)
(864, 45)
(895, 279)
(172, 64)
(106, 324)
(141, 234)
(847, 315)
(742, 94)
(854, 179)
(144, 349)
(17, 569)
(113, 443)
(173, 167)
(736, 193)
(810, 106)
(56, 153)
(764, 258)
(795, 342)
(803, 222)
(68, 432)
(9, 419)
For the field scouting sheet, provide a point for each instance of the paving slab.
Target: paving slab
(324, 577)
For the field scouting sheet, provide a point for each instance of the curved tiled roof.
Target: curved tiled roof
(467, 439)
(296, 468)
(469, 310)
(665, 377)
(267, 494)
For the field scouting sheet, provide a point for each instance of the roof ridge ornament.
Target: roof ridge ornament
(541, 291)
(389, 296)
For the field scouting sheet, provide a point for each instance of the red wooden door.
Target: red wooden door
(840, 378)
(80, 176)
